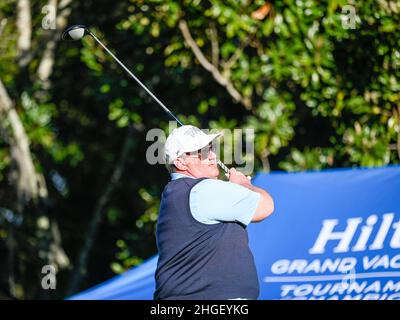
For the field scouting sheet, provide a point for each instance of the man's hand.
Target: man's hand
(238, 177)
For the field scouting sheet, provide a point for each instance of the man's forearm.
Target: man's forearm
(256, 189)
(266, 205)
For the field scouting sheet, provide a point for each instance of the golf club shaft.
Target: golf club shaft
(136, 79)
(223, 166)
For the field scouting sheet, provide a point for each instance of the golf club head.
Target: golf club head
(74, 33)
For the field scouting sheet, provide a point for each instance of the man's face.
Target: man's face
(199, 164)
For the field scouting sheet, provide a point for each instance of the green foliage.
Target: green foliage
(124, 257)
(315, 158)
(320, 95)
(300, 58)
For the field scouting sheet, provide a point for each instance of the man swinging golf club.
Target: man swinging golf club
(201, 229)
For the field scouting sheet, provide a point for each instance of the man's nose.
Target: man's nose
(212, 155)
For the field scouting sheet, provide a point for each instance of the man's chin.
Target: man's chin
(215, 172)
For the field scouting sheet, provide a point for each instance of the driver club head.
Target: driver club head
(74, 33)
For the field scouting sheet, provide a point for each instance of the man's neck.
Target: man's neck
(185, 173)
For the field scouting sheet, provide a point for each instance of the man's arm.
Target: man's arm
(265, 206)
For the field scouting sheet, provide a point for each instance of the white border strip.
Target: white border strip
(365, 275)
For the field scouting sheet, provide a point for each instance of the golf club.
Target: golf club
(77, 32)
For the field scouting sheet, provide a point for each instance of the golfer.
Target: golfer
(201, 230)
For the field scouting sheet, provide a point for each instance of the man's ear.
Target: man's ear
(180, 164)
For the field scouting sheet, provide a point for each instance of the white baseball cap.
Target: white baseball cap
(186, 139)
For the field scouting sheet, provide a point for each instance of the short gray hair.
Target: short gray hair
(171, 167)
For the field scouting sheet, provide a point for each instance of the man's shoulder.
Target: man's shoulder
(186, 181)
(209, 185)
(213, 201)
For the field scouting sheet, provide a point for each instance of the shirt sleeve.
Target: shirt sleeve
(214, 201)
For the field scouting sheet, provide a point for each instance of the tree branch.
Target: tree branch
(2, 25)
(222, 80)
(265, 161)
(235, 56)
(398, 133)
(214, 45)
(90, 237)
(13, 132)
(24, 26)
(46, 63)
(398, 145)
(58, 257)
(11, 244)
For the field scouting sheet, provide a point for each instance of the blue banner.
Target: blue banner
(335, 234)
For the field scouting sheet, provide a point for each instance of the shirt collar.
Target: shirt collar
(175, 176)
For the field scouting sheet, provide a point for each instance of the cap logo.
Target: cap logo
(192, 132)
